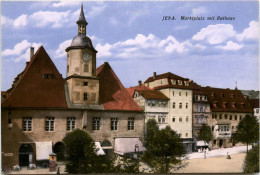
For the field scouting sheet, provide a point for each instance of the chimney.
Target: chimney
(139, 83)
(32, 52)
(154, 75)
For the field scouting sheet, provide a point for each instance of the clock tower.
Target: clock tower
(83, 84)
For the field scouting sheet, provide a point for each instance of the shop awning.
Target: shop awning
(128, 145)
(100, 150)
(202, 143)
(43, 149)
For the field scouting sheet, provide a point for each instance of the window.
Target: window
(233, 127)
(173, 105)
(216, 116)
(172, 93)
(187, 118)
(257, 111)
(153, 103)
(186, 105)
(186, 134)
(179, 82)
(27, 123)
(240, 117)
(85, 83)
(71, 123)
(48, 76)
(179, 135)
(149, 103)
(49, 124)
(225, 116)
(173, 119)
(68, 68)
(173, 82)
(131, 123)
(180, 119)
(196, 97)
(230, 117)
(85, 96)
(213, 116)
(96, 123)
(161, 119)
(180, 105)
(212, 128)
(220, 116)
(114, 123)
(235, 117)
(186, 93)
(179, 93)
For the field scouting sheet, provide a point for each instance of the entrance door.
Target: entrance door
(59, 149)
(220, 143)
(25, 155)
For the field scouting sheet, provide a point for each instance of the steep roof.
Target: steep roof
(254, 103)
(131, 90)
(113, 95)
(32, 90)
(152, 94)
(170, 76)
(226, 100)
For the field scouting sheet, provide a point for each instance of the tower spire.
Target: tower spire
(82, 23)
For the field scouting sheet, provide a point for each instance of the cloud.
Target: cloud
(199, 11)
(230, 45)
(50, 18)
(250, 33)
(133, 15)
(215, 34)
(21, 21)
(96, 10)
(66, 3)
(6, 21)
(60, 52)
(18, 48)
(21, 50)
(143, 46)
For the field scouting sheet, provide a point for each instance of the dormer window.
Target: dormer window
(213, 94)
(222, 95)
(48, 76)
(186, 83)
(179, 82)
(173, 82)
(232, 95)
(234, 104)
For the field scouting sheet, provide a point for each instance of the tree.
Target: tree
(205, 133)
(163, 147)
(247, 130)
(81, 154)
(252, 161)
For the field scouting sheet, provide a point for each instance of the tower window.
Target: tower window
(85, 96)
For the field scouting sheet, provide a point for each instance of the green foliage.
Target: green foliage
(205, 133)
(81, 154)
(252, 161)
(163, 147)
(126, 165)
(247, 130)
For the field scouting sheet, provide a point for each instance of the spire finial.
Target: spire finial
(82, 19)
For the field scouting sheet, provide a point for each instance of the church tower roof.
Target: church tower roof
(82, 19)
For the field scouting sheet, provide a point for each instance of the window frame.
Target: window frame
(131, 123)
(49, 124)
(114, 124)
(27, 123)
(71, 123)
(96, 123)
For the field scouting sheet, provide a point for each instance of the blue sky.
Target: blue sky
(132, 37)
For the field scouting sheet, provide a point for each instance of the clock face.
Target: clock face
(86, 56)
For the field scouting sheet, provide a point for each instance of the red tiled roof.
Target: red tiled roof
(152, 94)
(131, 90)
(113, 95)
(192, 85)
(254, 103)
(165, 75)
(32, 90)
(226, 100)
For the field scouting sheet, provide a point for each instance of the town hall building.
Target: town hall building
(41, 107)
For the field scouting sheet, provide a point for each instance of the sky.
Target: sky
(135, 40)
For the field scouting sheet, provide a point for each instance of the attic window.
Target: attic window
(222, 95)
(234, 105)
(48, 76)
(173, 82)
(186, 83)
(179, 82)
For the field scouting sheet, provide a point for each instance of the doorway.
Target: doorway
(59, 149)
(220, 143)
(25, 155)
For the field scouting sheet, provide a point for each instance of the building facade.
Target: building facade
(154, 103)
(41, 107)
(180, 92)
(228, 107)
